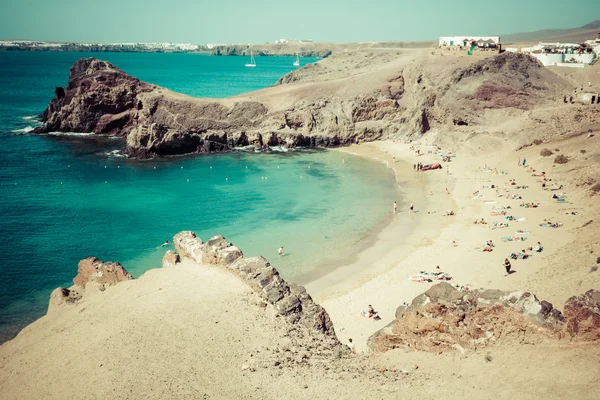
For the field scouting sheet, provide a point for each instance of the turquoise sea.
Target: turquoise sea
(65, 198)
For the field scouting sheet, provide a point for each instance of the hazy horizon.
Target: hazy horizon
(236, 21)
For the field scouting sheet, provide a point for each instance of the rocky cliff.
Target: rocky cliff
(444, 318)
(272, 50)
(289, 300)
(345, 99)
(92, 274)
(100, 98)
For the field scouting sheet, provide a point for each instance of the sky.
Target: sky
(260, 21)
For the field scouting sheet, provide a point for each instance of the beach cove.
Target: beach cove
(65, 197)
(380, 275)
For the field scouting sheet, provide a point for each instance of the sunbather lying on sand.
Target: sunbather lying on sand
(551, 224)
(500, 225)
(519, 256)
(513, 238)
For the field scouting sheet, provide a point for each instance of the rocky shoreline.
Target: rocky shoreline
(314, 106)
(446, 319)
(101, 99)
(443, 318)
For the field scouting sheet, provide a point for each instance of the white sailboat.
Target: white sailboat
(297, 62)
(252, 63)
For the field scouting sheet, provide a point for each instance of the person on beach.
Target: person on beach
(507, 266)
(524, 160)
(447, 192)
(394, 157)
(395, 207)
(519, 161)
(412, 207)
(281, 251)
(371, 311)
(415, 167)
(351, 346)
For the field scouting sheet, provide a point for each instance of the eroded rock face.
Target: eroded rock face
(444, 318)
(582, 315)
(103, 273)
(100, 98)
(170, 259)
(63, 296)
(289, 300)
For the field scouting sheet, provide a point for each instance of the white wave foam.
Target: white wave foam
(27, 129)
(114, 153)
(280, 149)
(31, 118)
(70, 134)
(254, 149)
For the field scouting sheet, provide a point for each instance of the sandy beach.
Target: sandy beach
(421, 241)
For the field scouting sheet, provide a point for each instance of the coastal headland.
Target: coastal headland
(448, 316)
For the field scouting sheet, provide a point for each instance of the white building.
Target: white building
(562, 54)
(481, 41)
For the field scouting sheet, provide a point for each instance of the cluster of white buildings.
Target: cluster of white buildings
(564, 54)
(28, 43)
(549, 54)
(283, 41)
(468, 41)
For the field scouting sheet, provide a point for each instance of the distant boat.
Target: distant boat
(252, 63)
(297, 62)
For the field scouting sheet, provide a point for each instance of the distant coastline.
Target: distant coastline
(281, 49)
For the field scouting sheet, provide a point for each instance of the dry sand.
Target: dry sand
(380, 274)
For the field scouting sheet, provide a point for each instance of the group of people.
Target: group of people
(524, 253)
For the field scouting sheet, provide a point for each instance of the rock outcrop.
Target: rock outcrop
(321, 109)
(582, 314)
(170, 259)
(92, 274)
(100, 98)
(444, 318)
(288, 300)
(102, 273)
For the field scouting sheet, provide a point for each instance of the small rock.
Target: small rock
(488, 358)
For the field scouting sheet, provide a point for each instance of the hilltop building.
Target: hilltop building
(563, 54)
(492, 42)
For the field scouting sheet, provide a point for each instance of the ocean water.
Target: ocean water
(65, 198)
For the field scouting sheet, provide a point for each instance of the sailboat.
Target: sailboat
(252, 63)
(297, 62)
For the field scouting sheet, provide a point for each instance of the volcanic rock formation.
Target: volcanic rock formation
(444, 318)
(289, 300)
(90, 272)
(344, 99)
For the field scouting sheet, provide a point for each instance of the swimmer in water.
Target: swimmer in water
(281, 251)
(166, 243)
